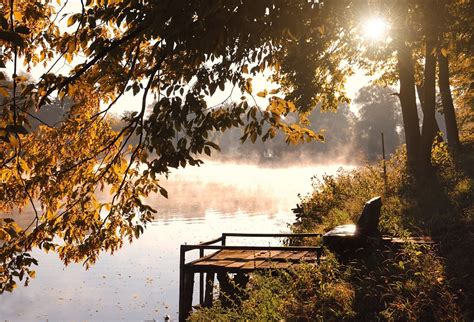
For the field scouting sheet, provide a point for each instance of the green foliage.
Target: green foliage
(335, 129)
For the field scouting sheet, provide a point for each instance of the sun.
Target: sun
(375, 29)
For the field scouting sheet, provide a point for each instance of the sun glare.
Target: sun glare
(375, 29)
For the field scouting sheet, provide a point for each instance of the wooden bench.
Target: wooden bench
(345, 239)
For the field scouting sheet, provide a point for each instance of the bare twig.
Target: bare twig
(129, 76)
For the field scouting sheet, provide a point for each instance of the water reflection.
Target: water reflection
(141, 280)
(232, 189)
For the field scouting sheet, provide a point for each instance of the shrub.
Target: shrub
(309, 292)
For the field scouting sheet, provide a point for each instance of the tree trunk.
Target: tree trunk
(408, 103)
(419, 91)
(447, 101)
(428, 131)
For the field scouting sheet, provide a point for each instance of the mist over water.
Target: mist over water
(141, 280)
(232, 189)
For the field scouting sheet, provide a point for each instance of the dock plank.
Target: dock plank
(226, 254)
(250, 259)
(219, 263)
(272, 264)
(254, 264)
(296, 256)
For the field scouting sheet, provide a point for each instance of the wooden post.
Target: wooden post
(225, 289)
(187, 298)
(188, 291)
(209, 289)
(240, 284)
(319, 252)
(181, 283)
(186, 285)
(384, 166)
(201, 281)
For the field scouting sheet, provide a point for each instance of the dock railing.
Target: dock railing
(210, 245)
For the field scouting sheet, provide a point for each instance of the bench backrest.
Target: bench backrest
(369, 219)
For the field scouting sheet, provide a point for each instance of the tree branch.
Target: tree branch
(93, 61)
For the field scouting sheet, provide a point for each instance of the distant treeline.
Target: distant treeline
(348, 136)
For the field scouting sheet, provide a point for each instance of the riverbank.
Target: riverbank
(418, 283)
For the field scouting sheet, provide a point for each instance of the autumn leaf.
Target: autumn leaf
(3, 92)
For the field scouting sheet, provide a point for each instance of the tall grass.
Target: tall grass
(305, 293)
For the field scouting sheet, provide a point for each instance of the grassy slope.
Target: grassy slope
(441, 207)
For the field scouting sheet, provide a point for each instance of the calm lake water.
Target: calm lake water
(140, 282)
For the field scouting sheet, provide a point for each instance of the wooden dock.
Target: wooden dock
(238, 260)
